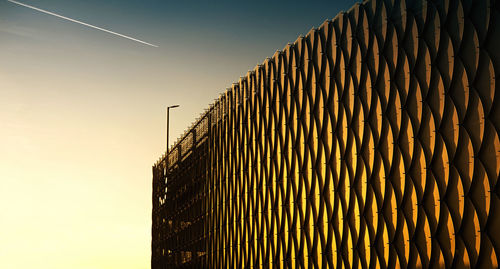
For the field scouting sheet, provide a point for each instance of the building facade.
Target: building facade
(371, 141)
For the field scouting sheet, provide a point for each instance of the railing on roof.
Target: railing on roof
(194, 134)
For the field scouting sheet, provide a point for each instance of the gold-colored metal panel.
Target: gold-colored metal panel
(373, 141)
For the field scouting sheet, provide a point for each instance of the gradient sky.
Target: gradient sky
(82, 113)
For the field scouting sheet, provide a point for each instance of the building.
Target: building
(371, 141)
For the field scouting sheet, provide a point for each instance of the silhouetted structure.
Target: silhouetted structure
(372, 141)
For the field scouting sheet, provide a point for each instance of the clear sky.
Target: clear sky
(82, 113)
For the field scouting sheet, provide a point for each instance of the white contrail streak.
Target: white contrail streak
(82, 23)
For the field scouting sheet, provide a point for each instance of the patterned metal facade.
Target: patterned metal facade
(373, 141)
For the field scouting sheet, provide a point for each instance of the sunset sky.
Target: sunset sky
(82, 113)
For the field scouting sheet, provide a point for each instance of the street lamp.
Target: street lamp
(168, 111)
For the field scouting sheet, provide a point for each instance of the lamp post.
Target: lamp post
(168, 112)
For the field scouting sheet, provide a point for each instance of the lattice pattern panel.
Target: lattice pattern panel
(373, 141)
(179, 211)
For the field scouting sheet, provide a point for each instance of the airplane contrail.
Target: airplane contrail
(82, 23)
